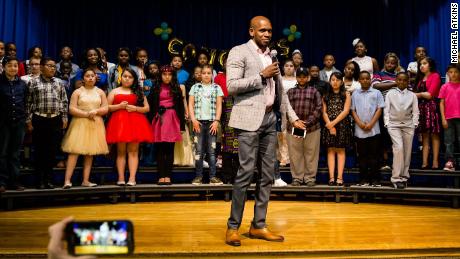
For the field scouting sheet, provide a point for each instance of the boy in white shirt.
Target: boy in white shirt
(401, 115)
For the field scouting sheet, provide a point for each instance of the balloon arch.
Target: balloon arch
(188, 50)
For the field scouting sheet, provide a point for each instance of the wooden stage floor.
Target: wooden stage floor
(197, 228)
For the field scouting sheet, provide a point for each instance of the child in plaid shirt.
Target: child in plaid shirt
(205, 105)
(304, 151)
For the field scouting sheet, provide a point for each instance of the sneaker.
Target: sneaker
(205, 164)
(385, 168)
(197, 180)
(279, 183)
(215, 181)
(449, 166)
(310, 184)
(296, 183)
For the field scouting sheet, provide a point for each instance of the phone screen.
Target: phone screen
(298, 132)
(100, 237)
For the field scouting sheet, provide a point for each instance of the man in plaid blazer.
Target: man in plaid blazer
(253, 79)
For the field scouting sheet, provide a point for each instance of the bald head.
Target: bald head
(255, 21)
(260, 29)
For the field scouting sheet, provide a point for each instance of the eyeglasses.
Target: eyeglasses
(50, 66)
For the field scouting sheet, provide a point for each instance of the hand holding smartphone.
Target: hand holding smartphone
(299, 132)
(100, 237)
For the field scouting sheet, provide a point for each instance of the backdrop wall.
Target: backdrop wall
(326, 26)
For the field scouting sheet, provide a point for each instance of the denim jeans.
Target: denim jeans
(449, 137)
(205, 141)
(12, 134)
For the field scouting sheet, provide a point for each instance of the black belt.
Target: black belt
(163, 109)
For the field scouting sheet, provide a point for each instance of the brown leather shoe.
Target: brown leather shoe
(265, 234)
(232, 237)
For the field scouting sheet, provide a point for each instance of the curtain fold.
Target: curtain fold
(326, 26)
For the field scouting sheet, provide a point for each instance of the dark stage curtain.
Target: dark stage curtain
(22, 23)
(326, 26)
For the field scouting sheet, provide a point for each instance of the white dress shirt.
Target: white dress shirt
(401, 109)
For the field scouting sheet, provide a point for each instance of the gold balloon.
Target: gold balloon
(283, 47)
(174, 45)
(212, 56)
(189, 52)
(222, 56)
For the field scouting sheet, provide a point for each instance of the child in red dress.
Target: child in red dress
(128, 125)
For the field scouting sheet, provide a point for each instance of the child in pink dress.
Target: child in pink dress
(167, 111)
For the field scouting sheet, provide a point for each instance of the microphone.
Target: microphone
(273, 54)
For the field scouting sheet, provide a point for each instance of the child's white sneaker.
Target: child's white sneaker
(279, 183)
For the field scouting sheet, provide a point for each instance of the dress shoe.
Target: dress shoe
(67, 186)
(399, 185)
(265, 234)
(232, 237)
(339, 182)
(88, 184)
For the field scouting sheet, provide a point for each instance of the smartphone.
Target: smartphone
(100, 237)
(299, 132)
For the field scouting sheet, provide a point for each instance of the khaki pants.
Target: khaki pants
(304, 155)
